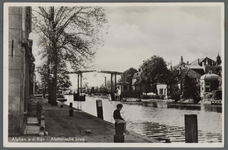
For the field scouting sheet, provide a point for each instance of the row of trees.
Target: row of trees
(69, 36)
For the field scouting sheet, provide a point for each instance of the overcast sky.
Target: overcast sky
(136, 33)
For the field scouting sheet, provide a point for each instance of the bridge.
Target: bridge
(80, 72)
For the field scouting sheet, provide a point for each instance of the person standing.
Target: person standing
(118, 93)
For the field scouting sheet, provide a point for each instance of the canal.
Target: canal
(160, 118)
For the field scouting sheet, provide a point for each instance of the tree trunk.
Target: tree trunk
(155, 86)
(54, 60)
(49, 83)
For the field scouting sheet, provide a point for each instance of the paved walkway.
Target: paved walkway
(81, 127)
(32, 126)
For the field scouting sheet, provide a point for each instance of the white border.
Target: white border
(5, 79)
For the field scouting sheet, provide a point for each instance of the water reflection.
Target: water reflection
(213, 108)
(183, 106)
(161, 119)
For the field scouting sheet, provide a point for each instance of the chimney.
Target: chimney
(187, 62)
(198, 61)
(181, 59)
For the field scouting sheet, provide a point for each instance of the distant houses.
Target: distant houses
(205, 72)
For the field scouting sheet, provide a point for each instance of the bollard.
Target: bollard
(71, 111)
(119, 129)
(99, 109)
(71, 105)
(145, 103)
(42, 125)
(191, 129)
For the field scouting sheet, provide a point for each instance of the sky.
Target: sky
(136, 33)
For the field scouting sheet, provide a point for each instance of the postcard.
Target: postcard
(113, 75)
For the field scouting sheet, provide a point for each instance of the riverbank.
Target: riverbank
(81, 127)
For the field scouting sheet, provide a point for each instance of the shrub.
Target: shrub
(152, 96)
(176, 95)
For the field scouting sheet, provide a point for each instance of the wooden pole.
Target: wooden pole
(78, 87)
(81, 83)
(105, 81)
(191, 129)
(119, 129)
(99, 109)
(111, 83)
(115, 81)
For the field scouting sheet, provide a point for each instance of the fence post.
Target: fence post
(191, 129)
(99, 109)
(71, 112)
(119, 129)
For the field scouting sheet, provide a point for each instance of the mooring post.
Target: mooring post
(78, 87)
(71, 112)
(191, 128)
(99, 108)
(119, 129)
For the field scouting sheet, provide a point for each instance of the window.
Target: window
(208, 87)
(161, 91)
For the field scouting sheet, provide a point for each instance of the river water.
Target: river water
(160, 119)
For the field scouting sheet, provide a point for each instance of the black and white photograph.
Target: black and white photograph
(113, 74)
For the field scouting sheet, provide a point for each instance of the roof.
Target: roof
(181, 64)
(194, 67)
(199, 61)
(190, 73)
(122, 83)
(209, 76)
(193, 74)
(198, 69)
(195, 63)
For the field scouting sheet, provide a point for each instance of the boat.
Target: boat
(79, 98)
(60, 98)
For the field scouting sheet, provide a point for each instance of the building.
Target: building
(138, 84)
(200, 65)
(187, 73)
(136, 81)
(208, 83)
(162, 89)
(21, 68)
(200, 70)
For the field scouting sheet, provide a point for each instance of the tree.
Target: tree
(155, 70)
(127, 76)
(218, 60)
(70, 34)
(63, 78)
(191, 89)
